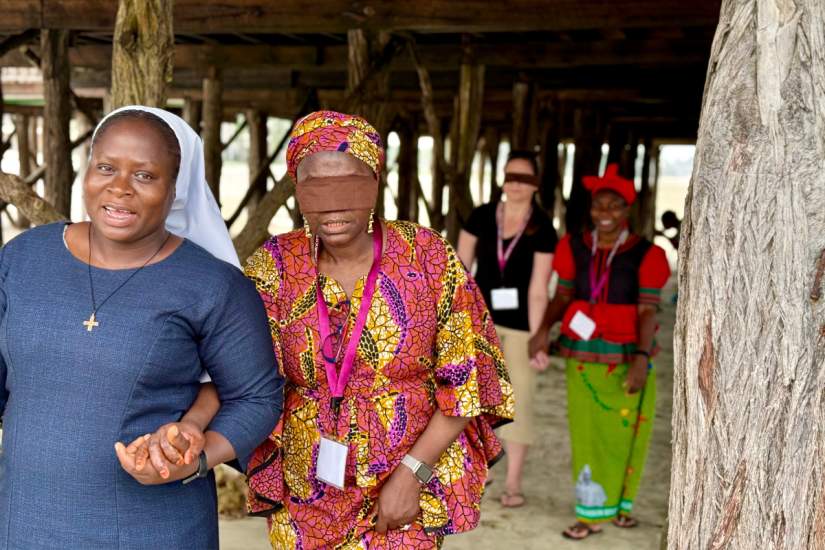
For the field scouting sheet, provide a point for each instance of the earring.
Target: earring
(372, 217)
(307, 229)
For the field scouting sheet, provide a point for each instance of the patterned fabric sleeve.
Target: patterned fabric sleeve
(470, 374)
(265, 477)
(565, 266)
(654, 272)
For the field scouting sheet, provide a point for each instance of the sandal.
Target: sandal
(512, 500)
(625, 522)
(580, 531)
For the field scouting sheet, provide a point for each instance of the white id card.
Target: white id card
(332, 462)
(504, 298)
(582, 325)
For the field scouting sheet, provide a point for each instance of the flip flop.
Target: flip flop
(583, 529)
(625, 522)
(507, 500)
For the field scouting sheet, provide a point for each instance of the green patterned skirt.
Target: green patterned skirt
(609, 435)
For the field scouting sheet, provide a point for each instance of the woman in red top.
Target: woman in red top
(609, 286)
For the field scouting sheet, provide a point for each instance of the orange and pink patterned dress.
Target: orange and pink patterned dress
(428, 344)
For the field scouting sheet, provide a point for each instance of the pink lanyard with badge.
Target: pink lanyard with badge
(504, 255)
(597, 286)
(337, 380)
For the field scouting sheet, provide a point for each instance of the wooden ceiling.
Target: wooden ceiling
(642, 61)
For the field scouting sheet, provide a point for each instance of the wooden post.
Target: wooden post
(142, 52)
(588, 135)
(258, 153)
(647, 196)
(470, 101)
(749, 340)
(22, 127)
(212, 117)
(494, 141)
(627, 164)
(550, 178)
(54, 46)
(192, 110)
(408, 171)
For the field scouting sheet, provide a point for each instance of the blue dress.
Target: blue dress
(67, 394)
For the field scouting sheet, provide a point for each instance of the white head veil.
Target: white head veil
(195, 214)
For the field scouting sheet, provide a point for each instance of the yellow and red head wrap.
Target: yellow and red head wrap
(332, 131)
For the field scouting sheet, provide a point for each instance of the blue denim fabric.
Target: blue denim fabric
(67, 395)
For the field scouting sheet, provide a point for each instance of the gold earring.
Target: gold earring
(372, 217)
(307, 229)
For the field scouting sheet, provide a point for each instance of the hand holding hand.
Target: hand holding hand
(134, 459)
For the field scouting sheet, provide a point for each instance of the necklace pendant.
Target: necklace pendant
(91, 323)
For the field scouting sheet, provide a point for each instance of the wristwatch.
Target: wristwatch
(421, 471)
(203, 469)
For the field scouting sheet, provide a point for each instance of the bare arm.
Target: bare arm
(205, 407)
(398, 503)
(637, 374)
(538, 291)
(466, 249)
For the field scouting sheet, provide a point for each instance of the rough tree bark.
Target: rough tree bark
(14, 190)
(748, 411)
(57, 109)
(142, 53)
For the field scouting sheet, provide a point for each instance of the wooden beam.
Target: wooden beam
(256, 121)
(335, 16)
(588, 131)
(523, 55)
(142, 53)
(56, 113)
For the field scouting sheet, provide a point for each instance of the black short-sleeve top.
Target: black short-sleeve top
(539, 236)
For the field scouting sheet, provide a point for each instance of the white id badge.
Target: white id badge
(332, 462)
(504, 298)
(582, 325)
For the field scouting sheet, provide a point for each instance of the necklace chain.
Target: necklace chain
(95, 308)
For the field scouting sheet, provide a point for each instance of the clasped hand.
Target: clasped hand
(169, 454)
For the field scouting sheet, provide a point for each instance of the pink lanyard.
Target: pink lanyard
(504, 256)
(596, 287)
(337, 380)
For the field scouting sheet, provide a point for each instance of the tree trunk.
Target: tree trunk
(13, 190)
(749, 374)
(142, 53)
(54, 47)
(587, 132)
(212, 118)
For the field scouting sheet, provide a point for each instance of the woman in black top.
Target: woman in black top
(512, 243)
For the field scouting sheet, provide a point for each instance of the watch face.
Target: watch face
(424, 473)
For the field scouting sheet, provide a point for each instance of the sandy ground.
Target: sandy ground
(548, 483)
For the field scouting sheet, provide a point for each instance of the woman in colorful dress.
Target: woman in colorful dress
(512, 243)
(609, 286)
(395, 379)
(106, 327)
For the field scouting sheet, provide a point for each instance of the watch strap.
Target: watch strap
(421, 471)
(202, 471)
